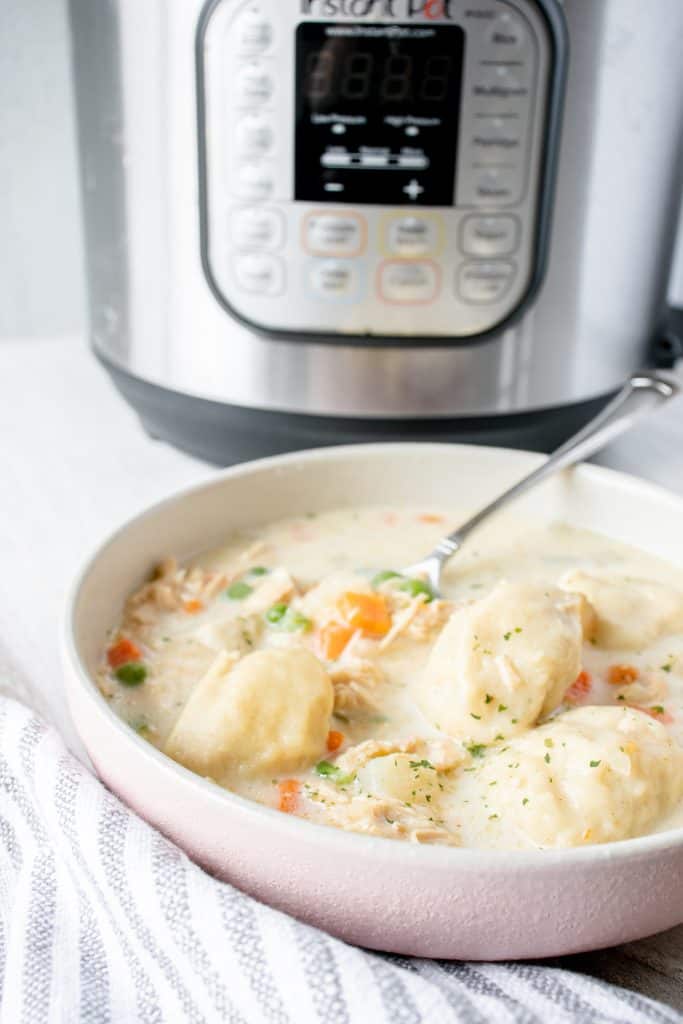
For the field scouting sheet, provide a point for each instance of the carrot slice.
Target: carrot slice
(579, 689)
(289, 795)
(334, 740)
(123, 651)
(193, 607)
(333, 638)
(657, 712)
(368, 612)
(622, 675)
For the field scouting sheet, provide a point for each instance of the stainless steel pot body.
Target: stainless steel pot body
(155, 316)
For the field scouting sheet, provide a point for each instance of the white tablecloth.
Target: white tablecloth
(75, 463)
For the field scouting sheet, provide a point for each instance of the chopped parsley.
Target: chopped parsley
(424, 763)
(594, 764)
(658, 709)
(547, 758)
(238, 591)
(548, 743)
(492, 817)
(488, 698)
(525, 801)
(472, 715)
(475, 749)
(502, 707)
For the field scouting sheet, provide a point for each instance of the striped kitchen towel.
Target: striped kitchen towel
(104, 920)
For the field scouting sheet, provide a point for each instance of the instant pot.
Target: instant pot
(321, 221)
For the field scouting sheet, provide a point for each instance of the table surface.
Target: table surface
(76, 463)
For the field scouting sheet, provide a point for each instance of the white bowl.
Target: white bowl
(400, 897)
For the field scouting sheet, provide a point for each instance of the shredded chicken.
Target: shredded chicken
(354, 758)
(275, 587)
(375, 816)
(415, 617)
(354, 680)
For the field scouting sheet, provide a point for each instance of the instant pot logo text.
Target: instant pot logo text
(431, 10)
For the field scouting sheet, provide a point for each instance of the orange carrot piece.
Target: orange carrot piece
(368, 612)
(193, 607)
(430, 517)
(334, 740)
(289, 795)
(579, 689)
(622, 675)
(333, 638)
(657, 712)
(123, 651)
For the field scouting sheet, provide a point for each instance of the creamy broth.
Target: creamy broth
(407, 716)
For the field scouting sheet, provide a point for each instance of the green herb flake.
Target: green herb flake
(658, 709)
(258, 570)
(472, 715)
(548, 743)
(492, 817)
(133, 673)
(475, 749)
(547, 758)
(424, 763)
(594, 764)
(488, 698)
(525, 801)
(238, 591)
(507, 636)
(502, 707)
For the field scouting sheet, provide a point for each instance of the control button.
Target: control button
(254, 181)
(500, 82)
(413, 189)
(254, 136)
(507, 34)
(335, 279)
(412, 236)
(489, 236)
(260, 272)
(409, 283)
(497, 135)
(253, 227)
(253, 86)
(497, 185)
(334, 234)
(252, 32)
(485, 282)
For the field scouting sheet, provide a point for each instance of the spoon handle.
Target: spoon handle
(639, 395)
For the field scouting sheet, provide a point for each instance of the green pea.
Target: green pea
(330, 771)
(382, 577)
(276, 613)
(238, 591)
(131, 674)
(415, 587)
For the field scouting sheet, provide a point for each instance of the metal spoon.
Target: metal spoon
(638, 396)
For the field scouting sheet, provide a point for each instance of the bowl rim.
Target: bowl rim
(386, 848)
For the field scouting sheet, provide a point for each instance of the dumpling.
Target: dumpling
(270, 712)
(404, 777)
(502, 662)
(630, 613)
(590, 775)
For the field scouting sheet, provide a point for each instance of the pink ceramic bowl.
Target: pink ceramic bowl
(400, 897)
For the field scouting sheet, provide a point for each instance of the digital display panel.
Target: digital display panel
(377, 113)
